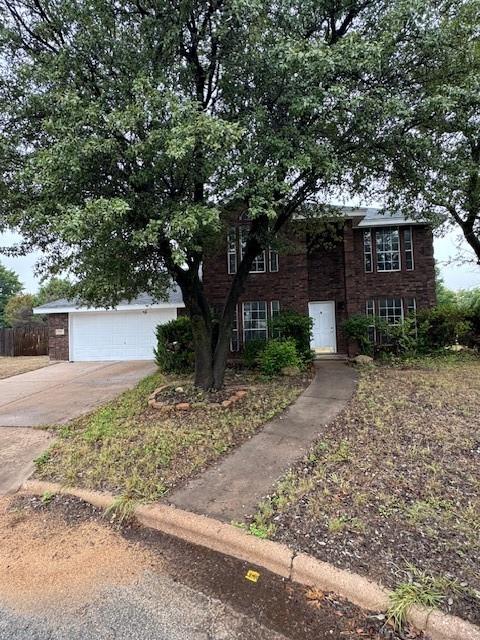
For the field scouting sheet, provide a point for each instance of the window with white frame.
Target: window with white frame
(390, 310)
(255, 325)
(273, 260)
(235, 338)
(236, 243)
(388, 249)
(274, 308)
(258, 265)
(410, 308)
(370, 312)
(408, 244)
(232, 251)
(367, 250)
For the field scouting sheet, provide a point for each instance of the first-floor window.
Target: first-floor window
(235, 338)
(390, 310)
(255, 326)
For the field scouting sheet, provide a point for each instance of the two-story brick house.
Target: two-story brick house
(374, 264)
(370, 264)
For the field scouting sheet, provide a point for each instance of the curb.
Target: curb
(274, 556)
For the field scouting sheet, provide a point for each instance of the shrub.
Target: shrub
(252, 351)
(297, 326)
(278, 354)
(443, 326)
(357, 328)
(175, 350)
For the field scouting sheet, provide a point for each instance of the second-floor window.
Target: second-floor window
(236, 243)
(383, 250)
(388, 249)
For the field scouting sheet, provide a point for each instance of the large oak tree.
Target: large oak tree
(129, 127)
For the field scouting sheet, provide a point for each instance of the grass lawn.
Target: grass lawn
(21, 364)
(130, 449)
(392, 488)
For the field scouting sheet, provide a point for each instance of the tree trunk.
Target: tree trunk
(202, 338)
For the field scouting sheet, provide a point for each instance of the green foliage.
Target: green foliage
(444, 326)
(53, 289)
(127, 129)
(357, 327)
(10, 286)
(47, 497)
(175, 349)
(279, 354)
(252, 352)
(298, 326)
(122, 509)
(433, 148)
(18, 311)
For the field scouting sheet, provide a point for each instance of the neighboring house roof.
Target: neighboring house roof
(141, 302)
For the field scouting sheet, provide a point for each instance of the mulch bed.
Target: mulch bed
(394, 481)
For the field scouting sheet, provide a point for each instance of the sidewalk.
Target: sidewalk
(232, 488)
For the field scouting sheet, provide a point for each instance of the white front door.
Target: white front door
(324, 337)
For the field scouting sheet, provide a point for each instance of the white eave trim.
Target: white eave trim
(123, 307)
(388, 222)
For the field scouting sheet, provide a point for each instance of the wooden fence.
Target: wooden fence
(24, 341)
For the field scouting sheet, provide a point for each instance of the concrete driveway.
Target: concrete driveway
(56, 394)
(53, 395)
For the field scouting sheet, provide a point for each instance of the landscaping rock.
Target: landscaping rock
(363, 359)
(182, 406)
(241, 393)
(290, 372)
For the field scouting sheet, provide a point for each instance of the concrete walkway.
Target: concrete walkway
(231, 489)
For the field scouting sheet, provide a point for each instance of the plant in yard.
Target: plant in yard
(133, 133)
(252, 352)
(298, 326)
(357, 327)
(122, 509)
(47, 497)
(175, 351)
(279, 354)
(420, 589)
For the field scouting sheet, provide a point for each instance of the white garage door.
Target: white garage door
(116, 335)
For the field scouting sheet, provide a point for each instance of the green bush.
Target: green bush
(278, 354)
(443, 326)
(175, 350)
(252, 351)
(296, 326)
(357, 328)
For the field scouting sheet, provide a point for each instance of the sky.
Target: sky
(456, 276)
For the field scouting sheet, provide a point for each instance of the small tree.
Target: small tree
(10, 285)
(19, 311)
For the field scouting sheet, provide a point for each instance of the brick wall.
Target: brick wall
(335, 273)
(418, 284)
(58, 345)
(289, 285)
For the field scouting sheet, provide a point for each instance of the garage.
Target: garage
(116, 335)
(81, 334)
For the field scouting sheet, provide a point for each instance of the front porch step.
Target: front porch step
(331, 356)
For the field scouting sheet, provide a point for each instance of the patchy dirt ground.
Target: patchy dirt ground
(45, 544)
(392, 489)
(46, 556)
(21, 364)
(128, 448)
